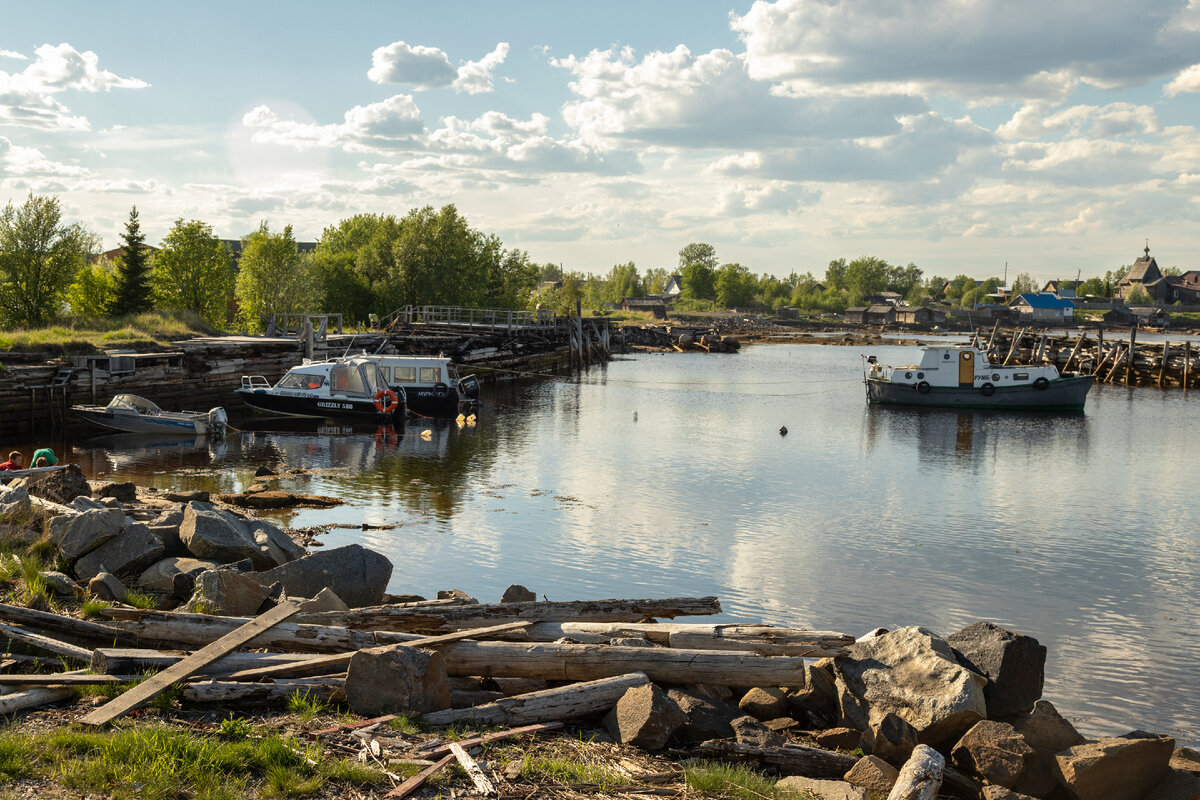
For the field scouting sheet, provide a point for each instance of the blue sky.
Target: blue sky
(959, 135)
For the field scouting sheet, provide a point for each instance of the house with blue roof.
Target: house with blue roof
(1045, 308)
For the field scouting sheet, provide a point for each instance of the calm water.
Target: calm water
(666, 475)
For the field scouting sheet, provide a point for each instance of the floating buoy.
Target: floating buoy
(471, 420)
(460, 419)
(426, 434)
(783, 430)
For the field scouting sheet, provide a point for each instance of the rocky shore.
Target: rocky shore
(240, 617)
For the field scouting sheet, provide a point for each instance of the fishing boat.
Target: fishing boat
(431, 384)
(351, 389)
(960, 376)
(129, 413)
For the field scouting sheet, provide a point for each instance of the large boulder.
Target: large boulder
(81, 533)
(644, 716)
(1013, 663)
(914, 674)
(517, 594)
(873, 774)
(749, 731)
(125, 492)
(706, 717)
(1114, 768)
(160, 576)
(228, 593)
(821, 789)
(1048, 733)
(130, 553)
(107, 586)
(277, 547)
(764, 703)
(357, 575)
(395, 679)
(60, 486)
(1177, 785)
(993, 751)
(215, 535)
(891, 738)
(15, 505)
(1186, 759)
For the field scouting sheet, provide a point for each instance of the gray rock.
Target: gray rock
(748, 730)
(644, 716)
(131, 552)
(396, 680)
(1187, 760)
(84, 532)
(1013, 663)
(821, 789)
(228, 593)
(15, 504)
(764, 703)
(166, 527)
(125, 492)
(517, 594)
(356, 574)
(455, 594)
(59, 583)
(107, 586)
(892, 739)
(1177, 785)
(112, 502)
(914, 674)
(1000, 793)
(1114, 768)
(1045, 730)
(85, 503)
(839, 738)
(61, 486)
(873, 774)
(994, 751)
(216, 535)
(197, 496)
(160, 577)
(277, 547)
(325, 600)
(706, 717)
(819, 694)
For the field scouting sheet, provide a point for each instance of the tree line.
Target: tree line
(375, 263)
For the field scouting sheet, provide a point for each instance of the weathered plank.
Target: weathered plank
(214, 691)
(563, 702)
(67, 626)
(152, 687)
(59, 648)
(418, 780)
(762, 639)
(482, 784)
(132, 661)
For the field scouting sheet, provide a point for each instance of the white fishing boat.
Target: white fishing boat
(431, 384)
(960, 376)
(129, 413)
(351, 389)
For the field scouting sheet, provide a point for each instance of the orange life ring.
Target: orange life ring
(386, 401)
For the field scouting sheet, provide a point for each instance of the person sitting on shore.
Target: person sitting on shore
(40, 462)
(15, 461)
(46, 453)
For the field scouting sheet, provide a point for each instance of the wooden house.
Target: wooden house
(1045, 308)
(653, 305)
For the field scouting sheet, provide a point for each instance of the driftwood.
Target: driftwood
(75, 629)
(147, 690)
(32, 698)
(921, 776)
(58, 648)
(792, 759)
(585, 662)
(64, 679)
(451, 618)
(564, 702)
(131, 661)
(418, 780)
(766, 640)
(200, 629)
(482, 785)
(264, 693)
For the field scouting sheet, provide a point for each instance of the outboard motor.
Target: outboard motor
(217, 421)
(469, 387)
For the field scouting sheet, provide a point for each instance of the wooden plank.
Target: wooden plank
(64, 679)
(149, 689)
(563, 702)
(343, 658)
(59, 648)
(1074, 352)
(418, 780)
(474, 771)
(1162, 370)
(496, 736)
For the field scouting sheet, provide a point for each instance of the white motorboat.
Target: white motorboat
(129, 413)
(431, 384)
(351, 389)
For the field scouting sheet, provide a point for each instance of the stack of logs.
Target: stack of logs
(1161, 364)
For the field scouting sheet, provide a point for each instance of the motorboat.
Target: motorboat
(431, 384)
(129, 413)
(961, 376)
(351, 389)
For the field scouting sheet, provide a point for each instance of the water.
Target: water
(666, 475)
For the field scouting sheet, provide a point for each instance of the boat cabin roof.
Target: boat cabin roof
(355, 375)
(131, 402)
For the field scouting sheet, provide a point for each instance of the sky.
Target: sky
(964, 136)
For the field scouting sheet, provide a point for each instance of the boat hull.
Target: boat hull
(1063, 394)
(129, 423)
(344, 408)
(439, 401)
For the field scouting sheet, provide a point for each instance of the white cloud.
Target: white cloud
(28, 162)
(1033, 121)
(13, 54)
(27, 97)
(424, 67)
(1185, 82)
(976, 51)
(394, 123)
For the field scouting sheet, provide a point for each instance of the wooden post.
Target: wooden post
(1074, 351)
(579, 328)
(1120, 353)
(992, 338)
(1187, 359)
(1129, 357)
(1041, 351)
(1017, 334)
(1163, 368)
(921, 776)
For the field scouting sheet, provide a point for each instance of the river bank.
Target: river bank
(848, 712)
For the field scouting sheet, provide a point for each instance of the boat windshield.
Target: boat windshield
(361, 378)
(134, 403)
(301, 380)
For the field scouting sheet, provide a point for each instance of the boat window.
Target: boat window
(299, 380)
(430, 374)
(358, 380)
(453, 374)
(339, 378)
(375, 378)
(404, 374)
(1020, 376)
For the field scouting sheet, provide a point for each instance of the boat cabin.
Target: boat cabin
(962, 366)
(431, 384)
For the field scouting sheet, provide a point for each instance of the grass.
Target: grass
(158, 763)
(153, 329)
(737, 782)
(406, 724)
(305, 706)
(563, 769)
(93, 607)
(139, 599)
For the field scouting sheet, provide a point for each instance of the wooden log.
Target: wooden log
(1162, 370)
(149, 689)
(921, 776)
(792, 759)
(563, 702)
(215, 691)
(55, 646)
(1120, 354)
(1074, 352)
(482, 784)
(133, 661)
(32, 698)
(64, 679)
(766, 640)
(74, 629)
(418, 780)
(441, 620)
(344, 658)
(585, 662)
(1016, 340)
(193, 629)
(1129, 359)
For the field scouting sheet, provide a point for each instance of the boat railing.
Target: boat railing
(255, 382)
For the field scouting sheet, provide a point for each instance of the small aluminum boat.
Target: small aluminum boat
(129, 413)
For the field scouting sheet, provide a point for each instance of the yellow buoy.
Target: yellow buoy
(426, 434)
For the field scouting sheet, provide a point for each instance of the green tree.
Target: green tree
(734, 286)
(904, 280)
(698, 253)
(273, 278)
(1092, 287)
(339, 282)
(699, 281)
(39, 256)
(654, 280)
(624, 281)
(192, 272)
(1138, 296)
(550, 272)
(132, 291)
(865, 276)
(91, 293)
(835, 274)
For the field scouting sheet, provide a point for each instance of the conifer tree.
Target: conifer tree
(133, 271)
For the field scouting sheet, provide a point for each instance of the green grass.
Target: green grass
(160, 763)
(406, 724)
(153, 329)
(93, 607)
(139, 599)
(737, 782)
(305, 706)
(234, 729)
(563, 769)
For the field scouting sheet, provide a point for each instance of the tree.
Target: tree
(91, 293)
(698, 253)
(1092, 287)
(273, 278)
(39, 256)
(699, 281)
(835, 274)
(654, 280)
(1023, 284)
(192, 272)
(624, 281)
(1138, 296)
(132, 292)
(734, 286)
(865, 276)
